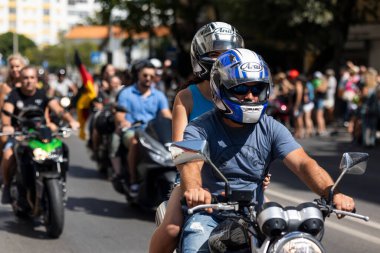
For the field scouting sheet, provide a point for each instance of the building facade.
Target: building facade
(43, 20)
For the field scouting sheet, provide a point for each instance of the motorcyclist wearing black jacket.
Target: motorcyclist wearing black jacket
(19, 98)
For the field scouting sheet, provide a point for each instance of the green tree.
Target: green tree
(290, 33)
(61, 55)
(6, 45)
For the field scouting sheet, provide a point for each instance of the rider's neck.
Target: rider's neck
(232, 123)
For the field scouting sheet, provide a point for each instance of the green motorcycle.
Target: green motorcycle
(38, 187)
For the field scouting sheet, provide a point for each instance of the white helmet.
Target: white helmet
(230, 71)
(215, 36)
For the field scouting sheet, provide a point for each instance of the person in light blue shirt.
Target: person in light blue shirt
(141, 102)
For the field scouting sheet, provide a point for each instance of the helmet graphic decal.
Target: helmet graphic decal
(213, 37)
(230, 75)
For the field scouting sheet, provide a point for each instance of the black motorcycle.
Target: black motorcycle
(156, 171)
(104, 123)
(270, 228)
(38, 188)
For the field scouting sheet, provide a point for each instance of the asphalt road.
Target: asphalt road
(99, 220)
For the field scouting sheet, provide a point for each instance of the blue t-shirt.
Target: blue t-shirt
(140, 108)
(242, 154)
(200, 103)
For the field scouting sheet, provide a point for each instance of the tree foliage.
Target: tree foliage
(6, 45)
(302, 33)
(58, 56)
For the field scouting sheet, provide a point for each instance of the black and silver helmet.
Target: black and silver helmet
(213, 37)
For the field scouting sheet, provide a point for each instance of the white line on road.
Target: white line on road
(334, 224)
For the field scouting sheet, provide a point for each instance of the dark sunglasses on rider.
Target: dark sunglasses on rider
(147, 75)
(243, 89)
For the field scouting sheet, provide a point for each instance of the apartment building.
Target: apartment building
(43, 21)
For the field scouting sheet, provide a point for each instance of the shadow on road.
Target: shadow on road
(85, 173)
(27, 227)
(108, 208)
(364, 187)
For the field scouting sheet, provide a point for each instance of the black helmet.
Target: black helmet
(213, 37)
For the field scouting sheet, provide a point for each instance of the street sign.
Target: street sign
(95, 57)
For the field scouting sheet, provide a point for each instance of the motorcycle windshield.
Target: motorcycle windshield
(160, 129)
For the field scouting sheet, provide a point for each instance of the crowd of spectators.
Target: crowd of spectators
(318, 104)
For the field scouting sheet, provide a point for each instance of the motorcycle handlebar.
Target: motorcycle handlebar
(13, 134)
(218, 206)
(235, 207)
(355, 215)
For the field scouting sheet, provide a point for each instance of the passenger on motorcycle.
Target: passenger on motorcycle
(19, 98)
(142, 103)
(190, 103)
(62, 86)
(15, 63)
(243, 141)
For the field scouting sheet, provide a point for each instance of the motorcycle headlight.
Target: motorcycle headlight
(312, 221)
(271, 219)
(298, 243)
(40, 154)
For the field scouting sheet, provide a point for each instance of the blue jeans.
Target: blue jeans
(196, 231)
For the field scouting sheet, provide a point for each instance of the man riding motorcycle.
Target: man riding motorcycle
(244, 141)
(62, 86)
(142, 103)
(19, 98)
(102, 121)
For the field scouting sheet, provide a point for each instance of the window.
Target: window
(74, 2)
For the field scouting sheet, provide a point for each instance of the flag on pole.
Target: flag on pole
(87, 95)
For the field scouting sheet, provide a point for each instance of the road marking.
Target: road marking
(356, 233)
(334, 224)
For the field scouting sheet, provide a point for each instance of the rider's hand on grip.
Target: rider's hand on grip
(197, 196)
(344, 203)
(8, 129)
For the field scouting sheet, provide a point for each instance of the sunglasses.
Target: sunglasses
(147, 75)
(242, 89)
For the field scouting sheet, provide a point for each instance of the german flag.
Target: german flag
(87, 95)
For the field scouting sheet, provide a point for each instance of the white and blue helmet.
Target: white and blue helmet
(236, 67)
(215, 36)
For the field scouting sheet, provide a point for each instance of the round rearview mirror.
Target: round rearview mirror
(65, 102)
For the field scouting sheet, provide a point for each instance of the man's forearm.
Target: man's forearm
(316, 178)
(190, 175)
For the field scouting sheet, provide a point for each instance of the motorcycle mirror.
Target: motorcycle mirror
(185, 151)
(120, 108)
(65, 102)
(351, 163)
(9, 114)
(354, 162)
(195, 150)
(6, 113)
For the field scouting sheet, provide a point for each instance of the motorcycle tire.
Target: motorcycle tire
(54, 208)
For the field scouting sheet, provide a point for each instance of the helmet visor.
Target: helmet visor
(221, 44)
(257, 89)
